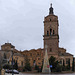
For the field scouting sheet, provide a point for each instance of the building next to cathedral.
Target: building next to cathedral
(35, 57)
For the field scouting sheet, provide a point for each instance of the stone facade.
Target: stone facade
(51, 39)
(6, 53)
(7, 46)
(35, 57)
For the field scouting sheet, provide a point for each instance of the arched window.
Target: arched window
(21, 63)
(53, 32)
(60, 61)
(50, 49)
(34, 62)
(50, 31)
(47, 32)
(5, 56)
(50, 19)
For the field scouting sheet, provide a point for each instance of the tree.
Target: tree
(63, 66)
(68, 66)
(55, 64)
(15, 65)
(37, 68)
(27, 65)
(63, 63)
(52, 61)
(7, 66)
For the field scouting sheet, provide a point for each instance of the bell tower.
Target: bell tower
(51, 36)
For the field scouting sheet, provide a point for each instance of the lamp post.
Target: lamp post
(12, 60)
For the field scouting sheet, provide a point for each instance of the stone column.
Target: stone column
(2, 72)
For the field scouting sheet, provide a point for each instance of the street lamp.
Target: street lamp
(12, 60)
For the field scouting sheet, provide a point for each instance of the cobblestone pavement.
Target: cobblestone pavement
(41, 74)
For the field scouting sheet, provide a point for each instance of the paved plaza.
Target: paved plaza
(41, 74)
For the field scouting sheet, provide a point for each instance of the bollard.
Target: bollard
(2, 72)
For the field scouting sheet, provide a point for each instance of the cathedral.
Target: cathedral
(51, 40)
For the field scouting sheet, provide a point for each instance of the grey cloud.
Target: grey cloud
(21, 22)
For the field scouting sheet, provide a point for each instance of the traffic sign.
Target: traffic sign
(51, 66)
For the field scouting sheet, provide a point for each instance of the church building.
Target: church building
(51, 39)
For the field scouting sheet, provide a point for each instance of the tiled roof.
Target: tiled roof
(65, 54)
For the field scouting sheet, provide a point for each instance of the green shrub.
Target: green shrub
(55, 65)
(7, 66)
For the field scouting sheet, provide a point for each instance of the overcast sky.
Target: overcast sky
(21, 23)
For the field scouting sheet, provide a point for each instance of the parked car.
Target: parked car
(14, 71)
(7, 71)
